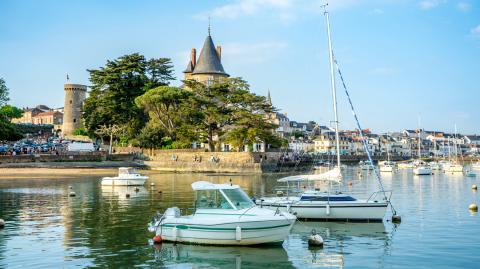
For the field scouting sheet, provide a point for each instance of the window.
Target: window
(211, 199)
(74, 120)
(239, 198)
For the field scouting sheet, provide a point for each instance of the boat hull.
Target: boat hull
(124, 182)
(422, 171)
(365, 211)
(248, 233)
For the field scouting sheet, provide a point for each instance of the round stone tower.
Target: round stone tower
(75, 94)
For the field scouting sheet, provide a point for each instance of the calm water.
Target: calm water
(101, 228)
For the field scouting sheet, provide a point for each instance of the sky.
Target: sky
(407, 63)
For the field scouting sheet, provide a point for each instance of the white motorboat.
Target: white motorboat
(435, 166)
(387, 166)
(126, 177)
(453, 167)
(326, 205)
(224, 215)
(422, 170)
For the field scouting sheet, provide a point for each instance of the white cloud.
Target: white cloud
(252, 52)
(247, 7)
(464, 6)
(476, 31)
(429, 4)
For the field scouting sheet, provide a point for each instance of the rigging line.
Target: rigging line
(364, 142)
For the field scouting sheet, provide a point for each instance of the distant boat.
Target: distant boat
(126, 177)
(224, 215)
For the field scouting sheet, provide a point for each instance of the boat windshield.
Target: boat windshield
(239, 198)
(211, 199)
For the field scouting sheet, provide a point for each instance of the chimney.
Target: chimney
(194, 57)
(219, 52)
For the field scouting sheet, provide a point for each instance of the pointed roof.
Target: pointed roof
(189, 68)
(208, 61)
(269, 98)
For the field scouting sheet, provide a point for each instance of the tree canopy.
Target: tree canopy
(115, 87)
(8, 130)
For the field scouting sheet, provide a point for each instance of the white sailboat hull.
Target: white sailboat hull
(349, 211)
(386, 169)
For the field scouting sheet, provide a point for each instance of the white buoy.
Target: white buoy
(72, 194)
(70, 187)
(2, 223)
(152, 184)
(474, 187)
(315, 239)
(473, 207)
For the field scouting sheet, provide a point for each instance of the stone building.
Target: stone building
(208, 67)
(75, 94)
(30, 113)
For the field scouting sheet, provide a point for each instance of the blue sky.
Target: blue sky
(402, 59)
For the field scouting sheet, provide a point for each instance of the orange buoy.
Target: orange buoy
(157, 239)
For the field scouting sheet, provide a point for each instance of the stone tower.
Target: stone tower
(208, 67)
(75, 94)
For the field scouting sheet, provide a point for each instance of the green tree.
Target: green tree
(115, 87)
(8, 130)
(11, 112)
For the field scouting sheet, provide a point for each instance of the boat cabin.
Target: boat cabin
(127, 171)
(220, 196)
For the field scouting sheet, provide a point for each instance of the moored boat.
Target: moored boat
(126, 177)
(224, 215)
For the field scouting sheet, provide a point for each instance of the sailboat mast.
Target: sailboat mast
(334, 91)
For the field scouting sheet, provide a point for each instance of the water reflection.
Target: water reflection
(174, 255)
(101, 227)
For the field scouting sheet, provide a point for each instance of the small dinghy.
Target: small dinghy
(224, 215)
(126, 177)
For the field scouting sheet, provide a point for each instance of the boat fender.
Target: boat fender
(315, 239)
(238, 233)
(174, 234)
(328, 210)
(396, 219)
(157, 239)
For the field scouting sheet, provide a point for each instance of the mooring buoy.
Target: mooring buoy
(315, 239)
(473, 207)
(127, 195)
(70, 187)
(2, 223)
(152, 184)
(159, 191)
(137, 189)
(474, 187)
(157, 239)
(72, 194)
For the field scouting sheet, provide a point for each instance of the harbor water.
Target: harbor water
(101, 228)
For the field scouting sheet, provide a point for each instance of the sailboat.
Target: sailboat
(313, 203)
(454, 166)
(422, 168)
(387, 166)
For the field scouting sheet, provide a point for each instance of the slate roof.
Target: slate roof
(209, 62)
